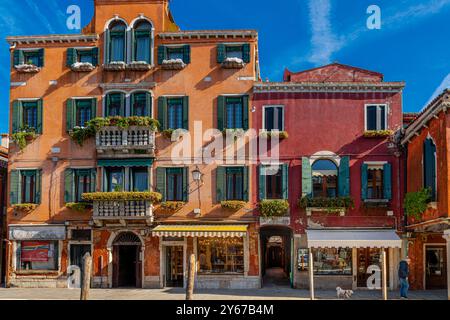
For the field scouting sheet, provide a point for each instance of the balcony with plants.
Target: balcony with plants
(274, 212)
(329, 205)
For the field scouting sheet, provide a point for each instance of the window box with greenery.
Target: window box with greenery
(416, 203)
(274, 133)
(82, 59)
(233, 112)
(79, 206)
(378, 134)
(233, 56)
(27, 121)
(273, 208)
(329, 205)
(153, 197)
(25, 189)
(172, 206)
(28, 61)
(174, 57)
(233, 205)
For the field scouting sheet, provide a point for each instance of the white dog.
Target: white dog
(343, 294)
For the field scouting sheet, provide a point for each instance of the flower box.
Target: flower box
(233, 63)
(378, 134)
(153, 197)
(329, 205)
(115, 66)
(273, 208)
(173, 64)
(172, 206)
(27, 68)
(139, 66)
(25, 207)
(82, 67)
(274, 133)
(232, 205)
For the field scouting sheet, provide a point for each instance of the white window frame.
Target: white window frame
(263, 126)
(386, 111)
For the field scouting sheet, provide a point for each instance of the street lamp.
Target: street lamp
(197, 175)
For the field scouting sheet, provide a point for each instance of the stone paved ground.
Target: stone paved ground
(178, 294)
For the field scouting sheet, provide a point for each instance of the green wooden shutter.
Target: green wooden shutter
(70, 111)
(245, 112)
(162, 112)
(262, 182)
(186, 184)
(364, 171)
(133, 45)
(148, 104)
(16, 116)
(38, 186)
(161, 182)
(246, 184)
(186, 112)
(221, 112)
(220, 184)
(69, 185)
(95, 56)
(344, 177)
(387, 180)
(162, 54)
(93, 180)
(285, 180)
(18, 57)
(71, 57)
(221, 53)
(306, 178)
(93, 108)
(187, 54)
(41, 57)
(246, 53)
(107, 47)
(429, 165)
(14, 187)
(39, 116)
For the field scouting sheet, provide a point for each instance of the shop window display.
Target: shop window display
(221, 256)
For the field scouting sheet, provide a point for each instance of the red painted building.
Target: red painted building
(339, 121)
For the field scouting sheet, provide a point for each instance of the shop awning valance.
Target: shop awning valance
(125, 163)
(37, 232)
(207, 231)
(353, 239)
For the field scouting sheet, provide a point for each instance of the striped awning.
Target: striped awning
(125, 163)
(353, 239)
(207, 231)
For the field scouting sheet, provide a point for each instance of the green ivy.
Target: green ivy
(233, 205)
(81, 134)
(327, 203)
(20, 137)
(273, 208)
(153, 197)
(416, 202)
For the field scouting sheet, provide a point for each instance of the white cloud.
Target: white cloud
(40, 16)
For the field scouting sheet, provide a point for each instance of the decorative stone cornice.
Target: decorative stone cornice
(440, 103)
(209, 34)
(127, 86)
(57, 38)
(351, 87)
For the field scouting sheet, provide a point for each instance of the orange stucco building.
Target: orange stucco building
(426, 140)
(132, 61)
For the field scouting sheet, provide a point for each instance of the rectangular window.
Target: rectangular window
(115, 181)
(28, 183)
(81, 235)
(83, 111)
(143, 39)
(175, 53)
(324, 186)
(82, 183)
(235, 183)
(174, 184)
(332, 261)
(221, 256)
(29, 112)
(274, 118)
(376, 117)
(234, 113)
(274, 184)
(139, 179)
(375, 183)
(37, 255)
(115, 104)
(117, 46)
(140, 107)
(234, 52)
(85, 56)
(32, 58)
(175, 113)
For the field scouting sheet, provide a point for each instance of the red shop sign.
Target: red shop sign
(35, 251)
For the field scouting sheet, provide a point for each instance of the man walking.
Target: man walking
(403, 273)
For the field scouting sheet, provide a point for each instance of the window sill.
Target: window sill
(233, 64)
(82, 67)
(173, 65)
(374, 203)
(115, 66)
(139, 66)
(37, 272)
(27, 68)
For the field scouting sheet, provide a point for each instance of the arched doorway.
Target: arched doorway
(276, 252)
(127, 264)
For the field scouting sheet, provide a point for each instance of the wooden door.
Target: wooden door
(367, 257)
(435, 267)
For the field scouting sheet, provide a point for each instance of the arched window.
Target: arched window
(115, 104)
(142, 42)
(115, 42)
(429, 167)
(141, 104)
(324, 179)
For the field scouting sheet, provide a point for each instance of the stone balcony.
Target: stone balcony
(135, 141)
(122, 210)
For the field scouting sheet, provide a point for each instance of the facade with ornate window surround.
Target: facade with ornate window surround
(427, 248)
(54, 152)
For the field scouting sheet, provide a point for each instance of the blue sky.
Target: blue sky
(412, 44)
